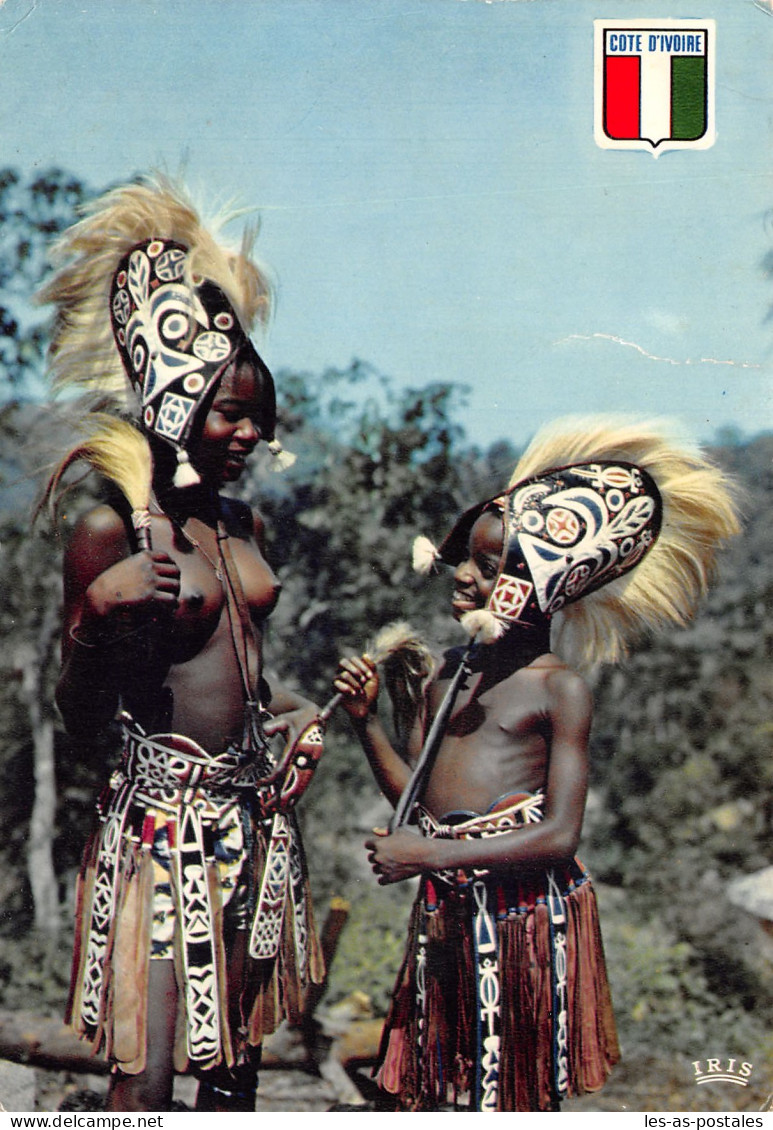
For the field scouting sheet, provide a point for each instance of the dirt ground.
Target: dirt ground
(639, 1083)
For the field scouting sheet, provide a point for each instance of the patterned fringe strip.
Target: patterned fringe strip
(114, 916)
(432, 1059)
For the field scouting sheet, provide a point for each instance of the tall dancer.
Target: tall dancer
(195, 933)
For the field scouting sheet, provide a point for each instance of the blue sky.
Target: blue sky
(432, 198)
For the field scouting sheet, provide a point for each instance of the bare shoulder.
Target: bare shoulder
(565, 687)
(556, 675)
(98, 540)
(98, 529)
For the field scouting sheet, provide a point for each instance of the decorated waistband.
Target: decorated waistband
(172, 762)
(504, 816)
(193, 789)
(169, 769)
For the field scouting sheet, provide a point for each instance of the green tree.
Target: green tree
(32, 213)
(683, 777)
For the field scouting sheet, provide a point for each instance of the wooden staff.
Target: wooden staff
(423, 767)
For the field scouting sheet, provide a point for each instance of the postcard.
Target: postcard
(474, 217)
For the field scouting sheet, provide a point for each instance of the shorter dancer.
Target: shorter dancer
(502, 1002)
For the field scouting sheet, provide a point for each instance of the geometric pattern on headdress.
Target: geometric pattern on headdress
(567, 533)
(579, 528)
(175, 337)
(673, 572)
(157, 216)
(178, 307)
(617, 522)
(510, 597)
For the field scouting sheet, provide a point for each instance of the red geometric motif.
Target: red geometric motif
(563, 526)
(577, 580)
(510, 596)
(620, 477)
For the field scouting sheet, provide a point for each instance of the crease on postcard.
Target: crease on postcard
(654, 356)
(6, 8)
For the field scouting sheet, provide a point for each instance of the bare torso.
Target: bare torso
(180, 674)
(202, 677)
(496, 742)
(520, 723)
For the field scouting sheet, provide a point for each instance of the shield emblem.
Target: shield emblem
(654, 84)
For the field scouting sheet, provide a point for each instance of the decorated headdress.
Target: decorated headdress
(176, 334)
(611, 523)
(151, 309)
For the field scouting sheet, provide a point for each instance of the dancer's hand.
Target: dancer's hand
(291, 723)
(133, 584)
(397, 855)
(357, 679)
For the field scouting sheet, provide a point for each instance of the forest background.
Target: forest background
(681, 802)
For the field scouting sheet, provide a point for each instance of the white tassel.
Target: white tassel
(425, 555)
(185, 475)
(282, 459)
(483, 624)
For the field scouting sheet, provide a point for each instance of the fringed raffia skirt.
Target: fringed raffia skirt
(502, 1002)
(182, 858)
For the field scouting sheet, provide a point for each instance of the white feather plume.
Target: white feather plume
(425, 555)
(483, 624)
(83, 353)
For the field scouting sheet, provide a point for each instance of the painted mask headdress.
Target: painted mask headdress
(176, 333)
(151, 309)
(609, 525)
